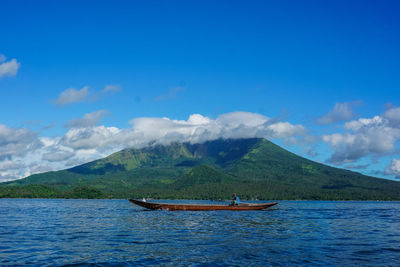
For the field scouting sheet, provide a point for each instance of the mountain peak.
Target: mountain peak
(253, 167)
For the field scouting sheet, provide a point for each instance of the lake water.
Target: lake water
(116, 232)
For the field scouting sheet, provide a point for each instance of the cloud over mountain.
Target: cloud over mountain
(86, 141)
(200, 129)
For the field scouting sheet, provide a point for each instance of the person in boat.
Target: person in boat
(235, 200)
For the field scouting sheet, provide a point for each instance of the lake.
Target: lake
(117, 233)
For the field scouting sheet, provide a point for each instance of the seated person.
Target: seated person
(235, 200)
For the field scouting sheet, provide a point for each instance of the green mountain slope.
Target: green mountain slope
(253, 168)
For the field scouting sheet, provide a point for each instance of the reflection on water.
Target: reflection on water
(59, 232)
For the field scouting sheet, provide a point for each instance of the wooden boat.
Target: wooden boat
(173, 207)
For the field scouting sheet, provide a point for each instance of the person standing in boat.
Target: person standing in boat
(235, 200)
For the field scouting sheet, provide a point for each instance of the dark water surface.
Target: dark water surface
(115, 232)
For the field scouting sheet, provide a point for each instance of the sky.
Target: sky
(80, 80)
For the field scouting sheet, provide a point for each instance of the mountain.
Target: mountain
(254, 168)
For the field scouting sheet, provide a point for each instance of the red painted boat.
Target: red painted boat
(173, 207)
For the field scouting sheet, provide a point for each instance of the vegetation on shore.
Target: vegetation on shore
(43, 191)
(254, 168)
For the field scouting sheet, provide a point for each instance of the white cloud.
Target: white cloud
(393, 116)
(89, 119)
(38, 168)
(72, 95)
(56, 156)
(197, 119)
(375, 136)
(9, 165)
(87, 142)
(239, 118)
(23, 153)
(8, 68)
(365, 123)
(339, 139)
(89, 137)
(172, 93)
(17, 141)
(15, 145)
(111, 88)
(284, 130)
(200, 129)
(340, 112)
(393, 168)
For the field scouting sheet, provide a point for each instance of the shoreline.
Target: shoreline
(182, 199)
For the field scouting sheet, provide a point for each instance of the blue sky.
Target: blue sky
(82, 79)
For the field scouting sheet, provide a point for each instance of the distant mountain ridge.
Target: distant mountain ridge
(255, 168)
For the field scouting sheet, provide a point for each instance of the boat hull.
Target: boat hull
(200, 207)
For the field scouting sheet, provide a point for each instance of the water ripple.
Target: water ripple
(117, 233)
